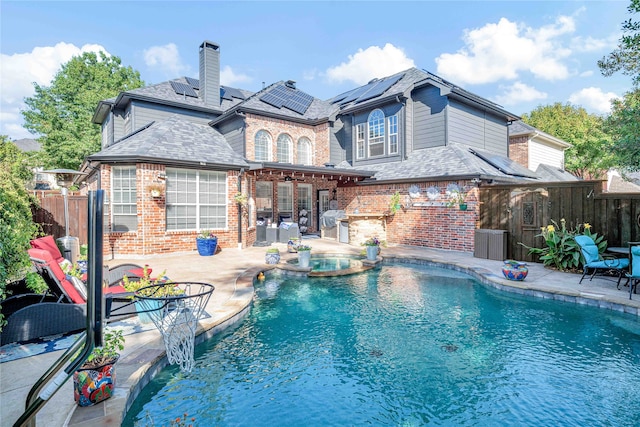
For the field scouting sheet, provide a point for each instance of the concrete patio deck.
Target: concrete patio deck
(232, 272)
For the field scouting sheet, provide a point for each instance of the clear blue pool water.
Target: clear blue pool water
(407, 346)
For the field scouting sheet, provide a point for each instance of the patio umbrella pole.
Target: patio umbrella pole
(55, 377)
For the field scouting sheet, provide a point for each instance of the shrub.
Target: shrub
(562, 251)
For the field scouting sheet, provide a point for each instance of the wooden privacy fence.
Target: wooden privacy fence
(50, 214)
(522, 210)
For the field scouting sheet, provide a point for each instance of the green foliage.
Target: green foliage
(35, 283)
(561, 251)
(62, 112)
(590, 155)
(113, 345)
(626, 57)
(394, 203)
(624, 126)
(16, 223)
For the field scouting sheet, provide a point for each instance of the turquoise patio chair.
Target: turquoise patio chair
(593, 260)
(634, 271)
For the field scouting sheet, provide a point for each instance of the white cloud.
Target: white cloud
(369, 63)
(504, 50)
(517, 93)
(593, 99)
(20, 70)
(166, 58)
(229, 78)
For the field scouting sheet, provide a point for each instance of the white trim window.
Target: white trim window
(124, 211)
(392, 122)
(376, 133)
(304, 151)
(284, 146)
(360, 129)
(196, 200)
(262, 146)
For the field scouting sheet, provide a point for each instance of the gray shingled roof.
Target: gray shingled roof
(519, 128)
(453, 160)
(174, 141)
(163, 92)
(552, 173)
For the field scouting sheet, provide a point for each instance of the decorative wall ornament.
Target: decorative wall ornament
(414, 191)
(433, 192)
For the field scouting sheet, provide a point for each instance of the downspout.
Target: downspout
(403, 154)
(240, 209)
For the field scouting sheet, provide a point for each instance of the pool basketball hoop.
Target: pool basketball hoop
(175, 308)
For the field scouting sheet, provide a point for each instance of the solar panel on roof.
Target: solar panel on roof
(195, 83)
(356, 93)
(232, 92)
(292, 99)
(504, 164)
(381, 87)
(183, 89)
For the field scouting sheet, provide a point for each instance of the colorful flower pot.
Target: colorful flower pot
(207, 247)
(515, 270)
(272, 257)
(94, 385)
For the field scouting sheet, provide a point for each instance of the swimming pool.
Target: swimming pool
(407, 345)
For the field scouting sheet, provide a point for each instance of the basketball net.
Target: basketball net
(176, 316)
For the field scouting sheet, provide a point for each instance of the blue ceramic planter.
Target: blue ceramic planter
(207, 247)
(515, 270)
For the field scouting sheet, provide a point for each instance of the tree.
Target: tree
(624, 126)
(62, 112)
(16, 223)
(590, 155)
(626, 57)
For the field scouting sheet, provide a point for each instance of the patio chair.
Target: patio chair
(593, 260)
(62, 310)
(113, 275)
(634, 270)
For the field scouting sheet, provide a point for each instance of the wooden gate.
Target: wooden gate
(50, 214)
(524, 209)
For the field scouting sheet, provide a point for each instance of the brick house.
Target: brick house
(294, 157)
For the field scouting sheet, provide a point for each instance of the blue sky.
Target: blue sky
(519, 54)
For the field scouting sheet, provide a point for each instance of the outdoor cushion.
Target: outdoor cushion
(44, 257)
(47, 243)
(610, 263)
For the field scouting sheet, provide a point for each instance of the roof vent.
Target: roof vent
(291, 84)
(375, 79)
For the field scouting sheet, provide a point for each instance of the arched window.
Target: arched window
(263, 146)
(304, 151)
(376, 133)
(283, 148)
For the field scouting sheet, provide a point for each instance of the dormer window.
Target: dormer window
(376, 133)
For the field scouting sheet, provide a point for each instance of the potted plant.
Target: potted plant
(304, 255)
(96, 378)
(241, 199)
(394, 204)
(155, 190)
(135, 284)
(457, 197)
(372, 247)
(272, 256)
(207, 243)
(292, 245)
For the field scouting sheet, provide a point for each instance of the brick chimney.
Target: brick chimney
(210, 74)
